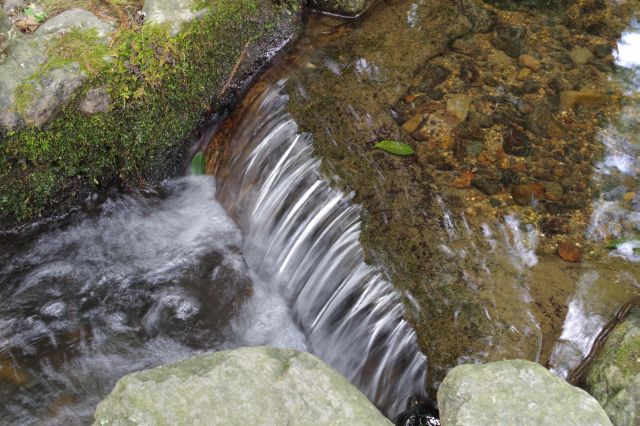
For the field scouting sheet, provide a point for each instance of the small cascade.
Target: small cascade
(302, 236)
(580, 329)
(496, 260)
(616, 213)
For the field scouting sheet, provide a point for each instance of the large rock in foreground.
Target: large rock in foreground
(248, 386)
(614, 376)
(514, 392)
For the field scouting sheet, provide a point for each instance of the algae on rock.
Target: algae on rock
(161, 87)
(614, 375)
(515, 392)
(247, 386)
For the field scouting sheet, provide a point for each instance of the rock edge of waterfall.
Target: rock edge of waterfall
(257, 385)
(514, 392)
(92, 99)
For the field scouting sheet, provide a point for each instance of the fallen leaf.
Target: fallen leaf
(198, 164)
(395, 147)
(28, 24)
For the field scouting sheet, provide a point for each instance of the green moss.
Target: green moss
(162, 88)
(83, 46)
(25, 93)
(627, 354)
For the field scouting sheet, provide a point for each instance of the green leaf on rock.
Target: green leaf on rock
(38, 14)
(198, 164)
(395, 147)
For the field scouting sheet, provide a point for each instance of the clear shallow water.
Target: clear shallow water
(613, 216)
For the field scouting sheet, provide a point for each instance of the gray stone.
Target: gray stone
(96, 100)
(510, 39)
(515, 392)
(247, 386)
(580, 55)
(614, 375)
(175, 12)
(10, 121)
(27, 55)
(74, 18)
(25, 58)
(341, 7)
(52, 93)
(11, 6)
(5, 22)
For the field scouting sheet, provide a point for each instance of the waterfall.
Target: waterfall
(302, 237)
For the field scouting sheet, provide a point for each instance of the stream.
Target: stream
(267, 249)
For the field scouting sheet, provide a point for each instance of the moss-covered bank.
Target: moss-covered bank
(161, 87)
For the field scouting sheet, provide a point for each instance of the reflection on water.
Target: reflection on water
(627, 53)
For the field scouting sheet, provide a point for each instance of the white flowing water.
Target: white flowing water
(302, 237)
(149, 279)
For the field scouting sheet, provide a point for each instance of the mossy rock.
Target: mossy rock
(162, 87)
(614, 375)
(514, 392)
(246, 386)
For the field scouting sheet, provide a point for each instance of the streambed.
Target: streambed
(270, 249)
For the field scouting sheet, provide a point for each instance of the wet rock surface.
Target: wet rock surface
(514, 392)
(239, 387)
(614, 375)
(96, 100)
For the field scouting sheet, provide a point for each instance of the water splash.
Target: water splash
(144, 281)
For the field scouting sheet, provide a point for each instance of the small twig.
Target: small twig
(234, 70)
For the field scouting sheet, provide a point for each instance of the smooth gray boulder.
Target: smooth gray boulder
(514, 392)
(74, 18)
(614, 375)
(174, 12)
(341, 7)
(247, 386)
